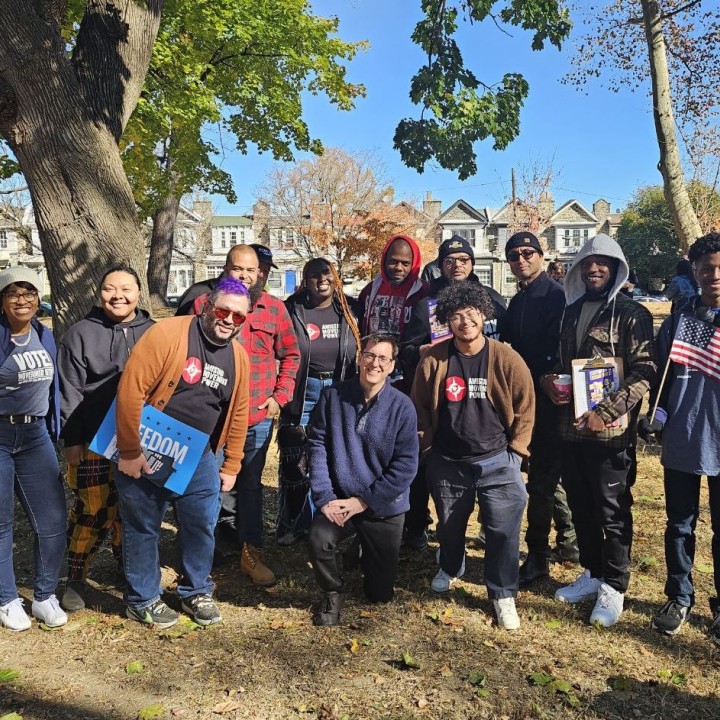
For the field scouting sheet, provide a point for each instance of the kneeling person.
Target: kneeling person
(362, 451)
(189, 368)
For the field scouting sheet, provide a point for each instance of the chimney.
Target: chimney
(203, 207)
(432, 208)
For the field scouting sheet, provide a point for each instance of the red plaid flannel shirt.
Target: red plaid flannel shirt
(269, 339)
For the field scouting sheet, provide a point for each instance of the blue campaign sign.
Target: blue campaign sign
(172, 448)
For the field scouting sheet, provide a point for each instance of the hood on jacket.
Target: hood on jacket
(601, 244)
(414, 273)
(118, 332)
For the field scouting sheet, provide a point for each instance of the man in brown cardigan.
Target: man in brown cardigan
(192, 370)
(476, 404)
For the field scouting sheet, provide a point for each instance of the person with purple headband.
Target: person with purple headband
(191, 369)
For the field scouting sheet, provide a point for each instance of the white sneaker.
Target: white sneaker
(584, 588)
(13, 616)
(442, 582)
(608, 607)
(49, 612)
(506, 613)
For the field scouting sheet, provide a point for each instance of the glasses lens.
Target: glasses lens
(372, 357)
(14, 297)
(223, 313)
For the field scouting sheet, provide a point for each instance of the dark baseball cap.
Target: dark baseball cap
(455, 244)
(264, 254)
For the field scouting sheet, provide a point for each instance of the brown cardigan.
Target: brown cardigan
(510, 390)
(151, 375)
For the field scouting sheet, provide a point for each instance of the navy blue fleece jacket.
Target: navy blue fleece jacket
(366, 451)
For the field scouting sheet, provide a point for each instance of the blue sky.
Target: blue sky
(603, 143)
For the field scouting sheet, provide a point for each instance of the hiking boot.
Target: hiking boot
(328, 612)
(157, 615)
(73, 598)
(670, 618)
(442, 582)
(251, 563)
(565, 554)
(608, 607)
(507, 617)
(714, 629)
(582, 589)
(535, 567)
(14, 617)
(49, 612)
(202, 609)
(416, 539)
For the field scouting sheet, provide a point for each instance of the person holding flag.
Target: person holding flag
(686, 408)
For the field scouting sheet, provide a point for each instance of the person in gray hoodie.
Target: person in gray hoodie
(598, 447)
(91, 358)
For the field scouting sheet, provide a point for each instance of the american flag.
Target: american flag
(697, 345)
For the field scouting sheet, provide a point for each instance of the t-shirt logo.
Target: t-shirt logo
(455, 388)
(193, 370)
(313, 331)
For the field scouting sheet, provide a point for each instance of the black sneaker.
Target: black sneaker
(416, 539)
(714, 629)
(202, 609)
(670, 618)
(157, 615)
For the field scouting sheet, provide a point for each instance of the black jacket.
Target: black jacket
(186, 302)
(345, 367)
(417, 331)
(532, 324)
(91, 358)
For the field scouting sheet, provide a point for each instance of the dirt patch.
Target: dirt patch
(423, 656)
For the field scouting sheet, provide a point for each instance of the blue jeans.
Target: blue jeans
(142, 508)
(242, 506)
(29, 466)
(682, 507)
(295, 506)
(501, 494)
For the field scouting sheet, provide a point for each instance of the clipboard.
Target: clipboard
(593, 380)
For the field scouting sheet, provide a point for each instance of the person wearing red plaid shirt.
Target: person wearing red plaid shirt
(270, 342)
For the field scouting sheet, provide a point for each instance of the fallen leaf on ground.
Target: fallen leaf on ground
(151, 712)
(226, 706)
(134, 667)
(353, 646)
(8, 675)
(422, 703)
(409, 661)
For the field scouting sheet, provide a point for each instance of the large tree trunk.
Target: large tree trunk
(62, 118)
(676, 194)
(161, 249)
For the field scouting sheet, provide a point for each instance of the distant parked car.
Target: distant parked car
(650, 298)
(45, 309)
(173, 300)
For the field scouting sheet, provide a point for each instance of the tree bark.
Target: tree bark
(161, 249)
(62, 118)
(676, 194)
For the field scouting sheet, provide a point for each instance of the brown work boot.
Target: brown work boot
(251, 563)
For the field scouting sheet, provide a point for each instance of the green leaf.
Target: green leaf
(560, 686)
(483, 692)
(664, 674)
(477, 678)
(553, 624)
(540, 678)
(409, 662)
(704, 568)
(134, 667)
(8, 675)
(48, 628)
(151, 712)
(622, 683)
(678, 679)
(647, 562)
(12, 716)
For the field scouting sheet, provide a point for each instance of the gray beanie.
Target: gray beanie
(20, 273)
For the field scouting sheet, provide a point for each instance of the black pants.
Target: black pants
(380, 542)
(597, 480)
(418, 516)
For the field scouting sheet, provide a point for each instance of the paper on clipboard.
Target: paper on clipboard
(593, 380)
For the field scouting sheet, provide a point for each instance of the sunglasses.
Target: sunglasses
(514, 255)
(223, 314)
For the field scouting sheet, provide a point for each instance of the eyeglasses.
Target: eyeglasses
(370, 358)
(514, 255)
(14, 297)
(223, 314)
(452, 261)
(470, 315)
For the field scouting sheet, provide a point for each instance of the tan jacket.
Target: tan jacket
(509, 389)
(151, 375)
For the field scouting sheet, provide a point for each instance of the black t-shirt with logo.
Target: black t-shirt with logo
(469, 427)
(203, 394)
(323, 326)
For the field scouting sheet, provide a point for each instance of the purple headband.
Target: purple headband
(231, 286)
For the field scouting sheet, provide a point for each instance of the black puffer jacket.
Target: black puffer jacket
(91, 358)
